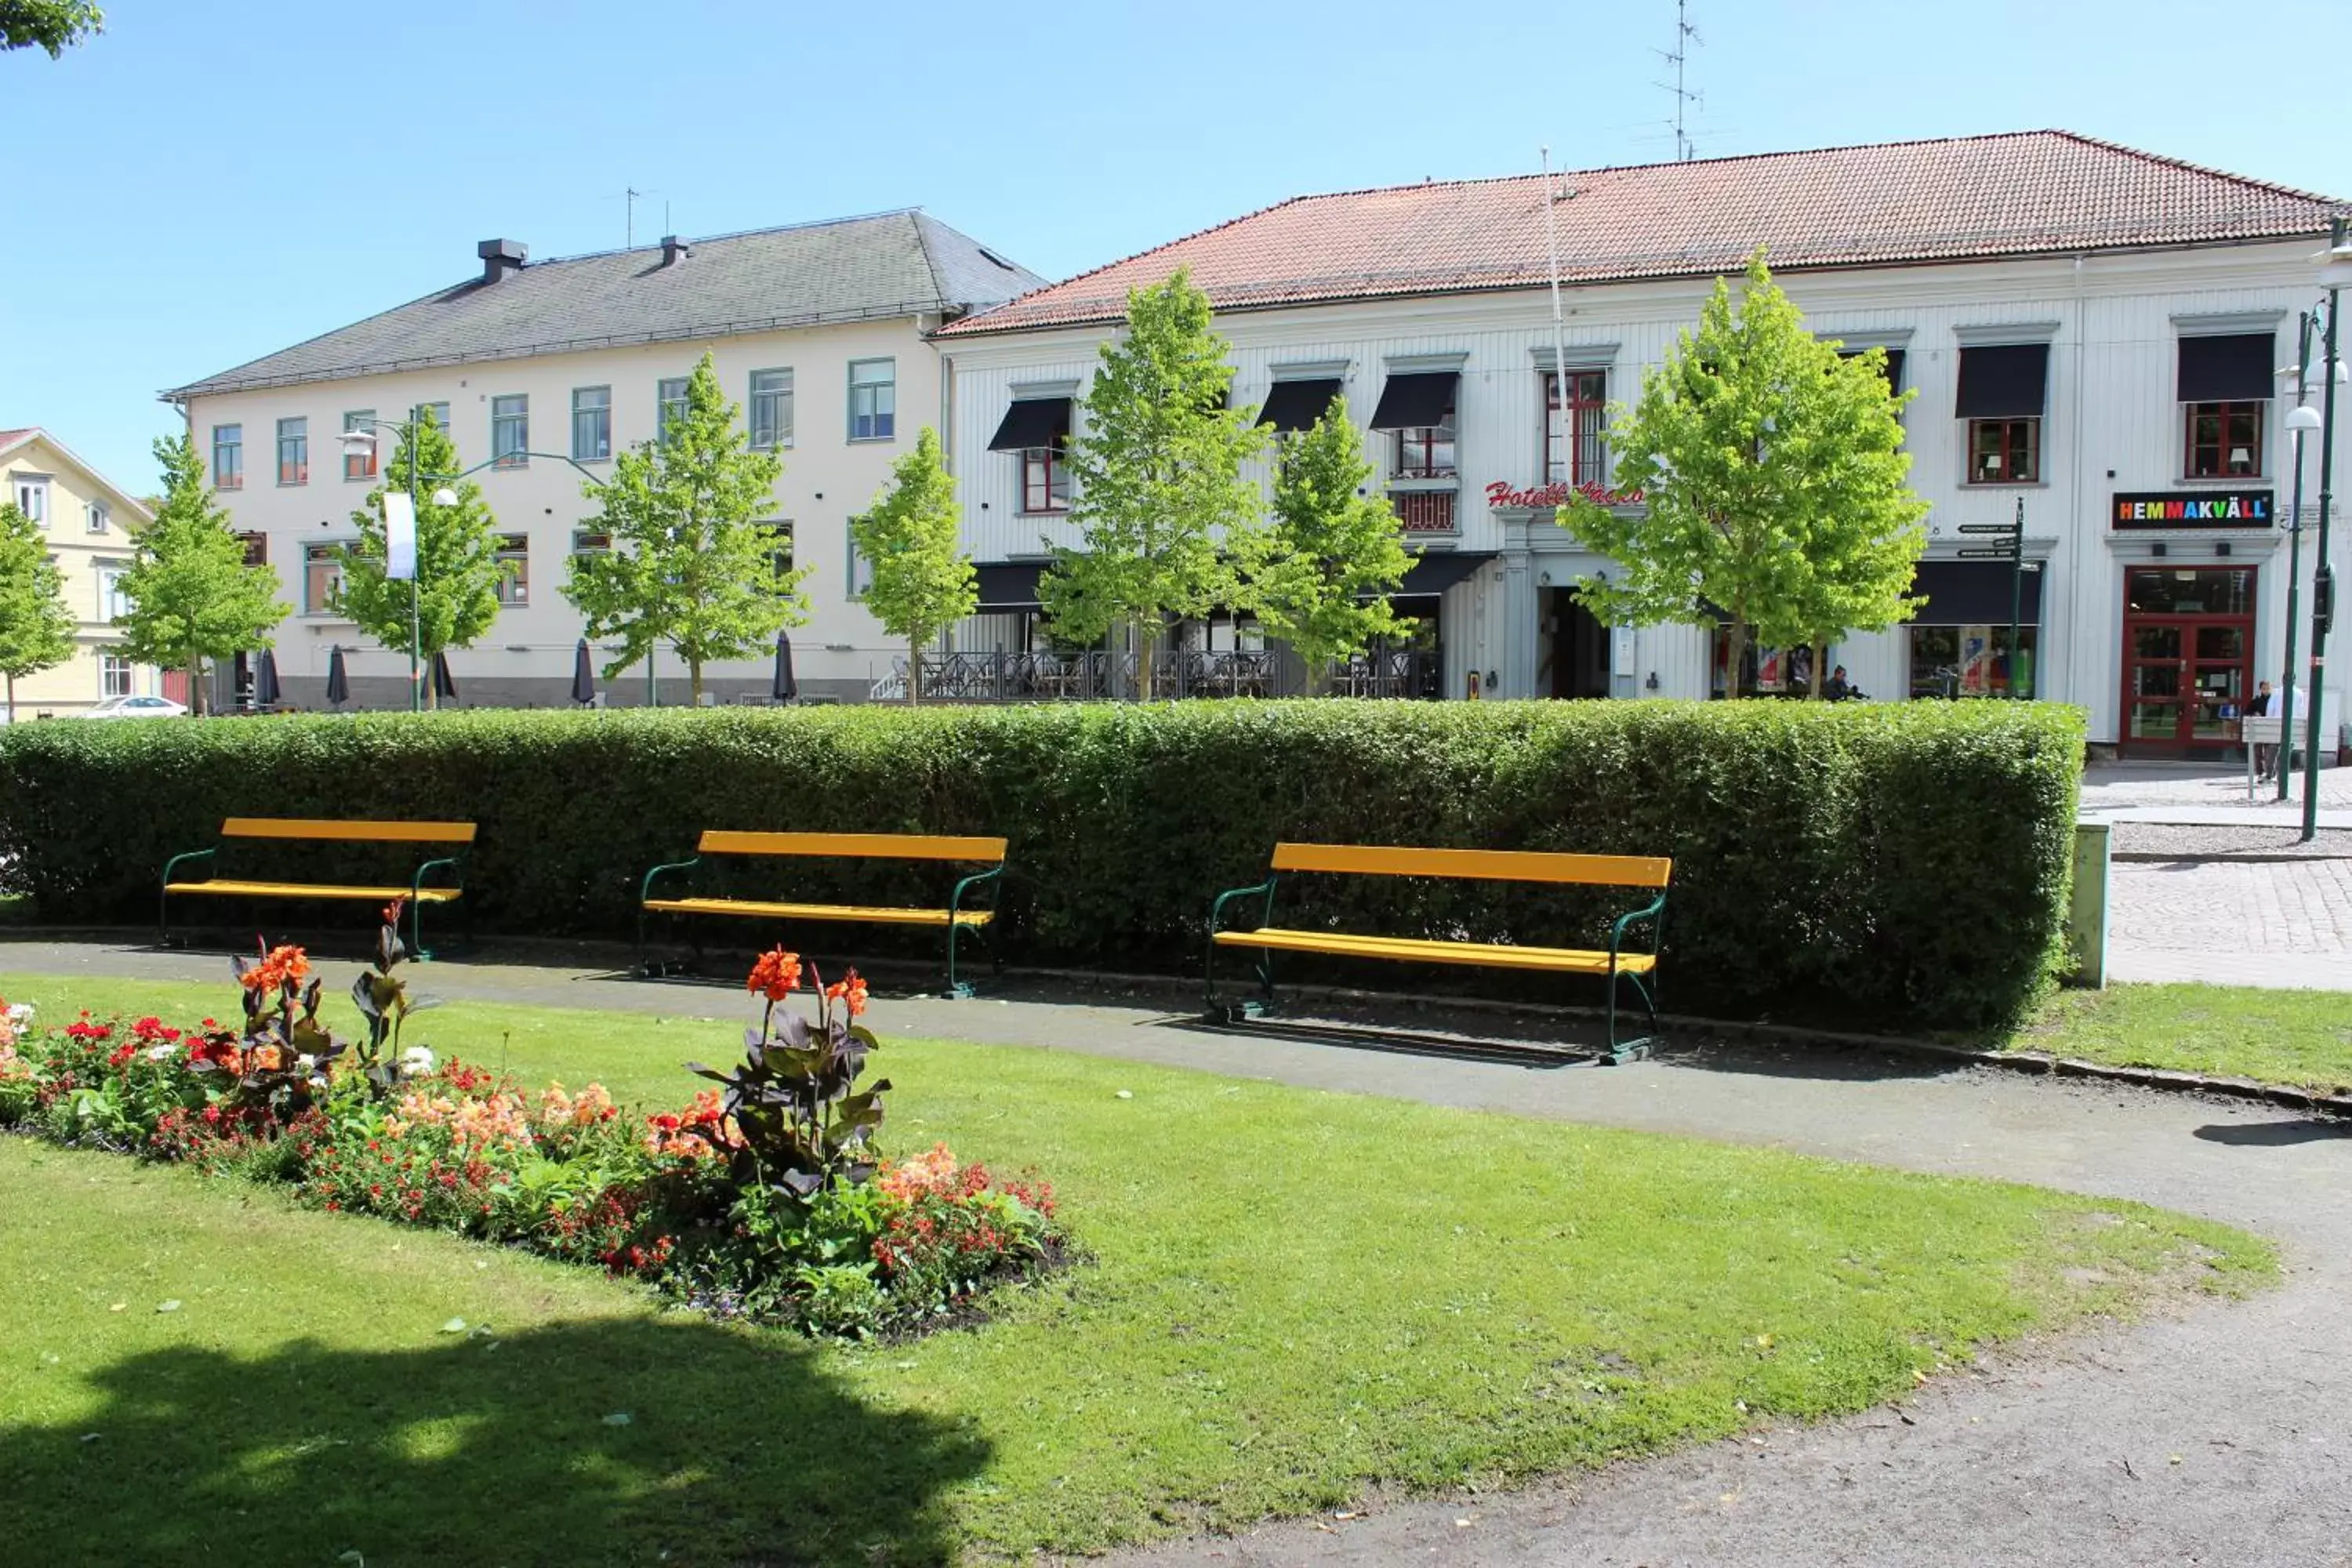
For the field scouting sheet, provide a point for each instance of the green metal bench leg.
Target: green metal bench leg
(957, 989)
(1623, 1051)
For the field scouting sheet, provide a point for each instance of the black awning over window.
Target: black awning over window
(1033, 422)
(1414, 402)
(1008, 585)
(1298, 405)
(1973, 594)
(2003, 382)
(1435, 571)
(2236, 369)
(1894, 365)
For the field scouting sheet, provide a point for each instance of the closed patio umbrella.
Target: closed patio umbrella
(584, 676)
(785, 687)
(266, 692)
(339, 683)
(444, 685)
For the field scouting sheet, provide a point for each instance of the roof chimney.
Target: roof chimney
(672, 248)
(501, 257)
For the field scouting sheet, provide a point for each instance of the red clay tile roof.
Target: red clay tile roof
(2023, 193)
(10, 437)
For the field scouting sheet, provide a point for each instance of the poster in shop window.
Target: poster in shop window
(1768, 670)
(1975, 660)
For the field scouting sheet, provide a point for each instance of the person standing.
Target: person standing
(2260, 708)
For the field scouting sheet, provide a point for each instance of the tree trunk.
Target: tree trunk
(694, 682)
(914, 671)
(196, 685)
(1735, 653)
(12, 699)
(1821, 672)
(1145, 646)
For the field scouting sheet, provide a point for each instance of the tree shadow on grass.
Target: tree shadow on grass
(738, 1449)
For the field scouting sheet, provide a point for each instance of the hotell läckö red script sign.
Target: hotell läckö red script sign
(1500, 495)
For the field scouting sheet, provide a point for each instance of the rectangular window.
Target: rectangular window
(861, 570)
(514, 569)
(1426, 452)
(510, 430)
(32, 500)
(591, 424)
(873, 399)
(671, 396)
(2004, 451)
(439, 414)
(228, 457)
(779, 550)
(256, 547)
(1574, 452)
(323, 578)
(113, 674)
(2225, 440)
(1969, 661)
(1044, 480)
(771, 409)
(113, 603)
(590, 541)
(294, 451)
(95, 517)
(359, 457)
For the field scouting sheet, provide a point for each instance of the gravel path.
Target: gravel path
(2205, 841)
(2217, 1433)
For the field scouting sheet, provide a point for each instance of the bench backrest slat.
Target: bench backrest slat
(1491, 865)
(853, 845)
(348, 832)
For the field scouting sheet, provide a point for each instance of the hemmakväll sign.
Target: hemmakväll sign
(2212, 509)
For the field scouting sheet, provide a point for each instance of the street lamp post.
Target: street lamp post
(361, 437)
(2336, 272)
(2300, 420)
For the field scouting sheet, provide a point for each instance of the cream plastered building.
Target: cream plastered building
(88, 520)
(541, 372)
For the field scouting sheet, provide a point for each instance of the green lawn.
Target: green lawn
(2299, 1038)
(1293, 1295)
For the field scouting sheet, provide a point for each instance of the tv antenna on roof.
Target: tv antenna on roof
(1685, 98)
(631, 196)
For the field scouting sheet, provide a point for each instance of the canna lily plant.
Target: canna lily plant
(282, 1055)
(383, 1001)
(794, 1117)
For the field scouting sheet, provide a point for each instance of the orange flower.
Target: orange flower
(268, 1058)
(280, 966)
(849, 989)
(777, 974)
(392, 911)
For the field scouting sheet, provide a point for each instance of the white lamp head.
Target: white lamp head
(2303, 417)
(355, 440)
(444, 496)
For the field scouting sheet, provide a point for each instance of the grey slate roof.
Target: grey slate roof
(848, 270)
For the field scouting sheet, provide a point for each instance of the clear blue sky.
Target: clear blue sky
(210, 182)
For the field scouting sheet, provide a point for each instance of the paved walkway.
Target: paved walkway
(2215, 1434)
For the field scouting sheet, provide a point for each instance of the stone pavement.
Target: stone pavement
(2283, 921)
(2214, 1433)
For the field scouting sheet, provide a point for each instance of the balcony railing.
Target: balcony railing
(1423, 511)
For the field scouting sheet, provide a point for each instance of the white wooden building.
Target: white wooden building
(2092, 332)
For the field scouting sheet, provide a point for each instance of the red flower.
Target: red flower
(279, 967)
(848, 989)
(777, 974)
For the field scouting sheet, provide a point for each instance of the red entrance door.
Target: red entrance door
(2189, 658)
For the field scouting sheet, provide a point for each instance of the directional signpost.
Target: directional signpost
(2004, 542)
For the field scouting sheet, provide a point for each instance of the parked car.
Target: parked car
(137, 707)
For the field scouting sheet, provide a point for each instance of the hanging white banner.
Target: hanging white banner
(399, 537)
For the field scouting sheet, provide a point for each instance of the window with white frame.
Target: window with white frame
(591, 542)
(861, 570)
(113, 602)
(771, 409)
(514, 569)
(94, 517)
(873, 399)
(294, 451)
(779, 550)
(670, 400)
(591, 424)
(228, 457)
(510, 430)
(33, 498)
(114, 673)
(323, 578)
(1575, 449)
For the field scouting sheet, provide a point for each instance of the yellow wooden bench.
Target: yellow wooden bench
(955, 918)
(415, 891)
(1613, 964)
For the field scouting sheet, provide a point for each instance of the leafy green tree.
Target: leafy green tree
(37, 630)
(695, 561)
(50, 25)
(1321, 580)
(1161, 498)
(192, 595)
(458, 565)
(1776, 484)
(922, 581)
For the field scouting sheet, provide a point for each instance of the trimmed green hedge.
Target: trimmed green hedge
(1898, 862)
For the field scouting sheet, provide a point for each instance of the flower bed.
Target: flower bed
(764, 1197)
